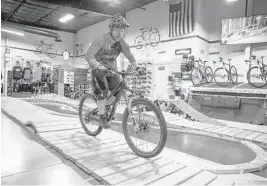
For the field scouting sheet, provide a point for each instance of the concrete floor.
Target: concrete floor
(25, 161)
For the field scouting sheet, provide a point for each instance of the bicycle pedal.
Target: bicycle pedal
(105, 125)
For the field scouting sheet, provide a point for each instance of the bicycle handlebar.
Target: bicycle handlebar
(122, 73)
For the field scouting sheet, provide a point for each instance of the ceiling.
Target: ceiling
(46, 13)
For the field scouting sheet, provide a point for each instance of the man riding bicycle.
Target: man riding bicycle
(102, 54)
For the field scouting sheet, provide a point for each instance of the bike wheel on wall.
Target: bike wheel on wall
(139, 42)
(196, 77)
(256, 78)
(154, 39)
(221, 77)
(234, 75)
(51, 52)
(209, 74)
(37, 49)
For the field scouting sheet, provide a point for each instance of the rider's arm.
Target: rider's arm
(127, 53)
(93, 49)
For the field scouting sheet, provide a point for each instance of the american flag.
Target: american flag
(181, 18)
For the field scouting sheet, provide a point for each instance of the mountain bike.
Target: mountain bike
(140, 117)
(223, 75)
(201, 73)
(150, 37)
(258, 72)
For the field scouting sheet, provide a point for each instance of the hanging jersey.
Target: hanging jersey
(66, 55)
(27, 73)
(17, 72)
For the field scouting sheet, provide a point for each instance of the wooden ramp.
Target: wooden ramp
(107, 156)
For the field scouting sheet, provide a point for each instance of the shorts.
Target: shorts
(101, 84)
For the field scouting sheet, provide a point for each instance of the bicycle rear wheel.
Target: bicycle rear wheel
(88, 114)
(139, 42)
(234, 75)
(145, 127)
(256, 78)
(221, 77)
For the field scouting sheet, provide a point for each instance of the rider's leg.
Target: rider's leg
(101, 90)
(113, 82)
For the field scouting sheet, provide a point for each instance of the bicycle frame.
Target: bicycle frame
(121, 91)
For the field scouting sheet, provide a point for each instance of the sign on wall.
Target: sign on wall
(243, 30)
(182, 51)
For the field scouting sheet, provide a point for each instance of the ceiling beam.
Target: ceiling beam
(41, 18)
(44, 26)
(15, 10)
(95, 7)
(32, 4)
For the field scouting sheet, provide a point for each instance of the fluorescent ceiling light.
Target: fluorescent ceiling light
(66, 18)
(12, 32)
(231, 1)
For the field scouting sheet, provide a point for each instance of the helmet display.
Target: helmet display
(118, 21)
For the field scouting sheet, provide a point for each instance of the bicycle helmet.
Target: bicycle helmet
(118, 21)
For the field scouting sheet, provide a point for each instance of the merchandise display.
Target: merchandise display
(141, 84)
(29, 77)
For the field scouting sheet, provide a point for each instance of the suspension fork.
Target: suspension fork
(129, 107)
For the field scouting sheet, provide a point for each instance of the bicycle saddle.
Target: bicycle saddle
(214, 62)
(247, 61)
(253, 57)
(262, 57)
(205, 61)
(229, 60)
(142, 28)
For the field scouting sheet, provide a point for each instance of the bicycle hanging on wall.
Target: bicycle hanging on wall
(41, 48)
(148, 37)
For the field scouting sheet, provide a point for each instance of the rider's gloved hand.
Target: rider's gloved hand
(140, 71)
(102, 70)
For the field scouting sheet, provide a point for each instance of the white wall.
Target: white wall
(86, 36)
(27, 42)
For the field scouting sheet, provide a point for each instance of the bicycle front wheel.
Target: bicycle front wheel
(209, 74)
(221, 77)
(154, 39)
(139, 42)
(145, 128)
(256, 78)
(196, 77)
(51, 52)
(88, 114)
